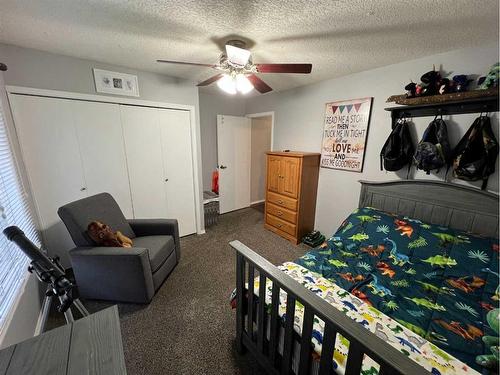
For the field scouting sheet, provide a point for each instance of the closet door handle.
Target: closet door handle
(222, 166)
(166, 180)
(83, 189)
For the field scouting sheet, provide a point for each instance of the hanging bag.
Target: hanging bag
(475, 155)
(398, 148)
(433, 151)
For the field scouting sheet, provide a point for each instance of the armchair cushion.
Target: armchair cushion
(113, 273)
(102, 207)
(157, 227)
(160, 248)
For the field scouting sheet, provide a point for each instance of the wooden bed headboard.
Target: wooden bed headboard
(440, 203)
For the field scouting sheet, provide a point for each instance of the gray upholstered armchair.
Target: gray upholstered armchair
(116, 273)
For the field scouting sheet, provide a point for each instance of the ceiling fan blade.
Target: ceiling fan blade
(185, 63)
(259, 84)
(284, 68)
(210, 80)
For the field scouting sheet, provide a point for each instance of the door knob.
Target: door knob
(222, 166)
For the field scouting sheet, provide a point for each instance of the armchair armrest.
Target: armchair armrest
(113, 273)
(157, 227)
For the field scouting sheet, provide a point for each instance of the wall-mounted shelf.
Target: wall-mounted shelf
(472, 105)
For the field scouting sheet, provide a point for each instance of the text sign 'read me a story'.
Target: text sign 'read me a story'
(344, 136)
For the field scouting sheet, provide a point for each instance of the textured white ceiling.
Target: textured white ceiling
(337, 37)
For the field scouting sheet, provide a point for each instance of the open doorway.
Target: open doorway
(261, 126)
(241, 146)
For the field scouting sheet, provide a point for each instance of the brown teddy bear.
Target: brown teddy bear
(102, 235)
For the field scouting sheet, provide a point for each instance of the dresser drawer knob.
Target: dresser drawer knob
(280, 202)
(280, 213)
(280, 225)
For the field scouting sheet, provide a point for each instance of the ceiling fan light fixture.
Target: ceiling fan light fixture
(243, 84)
(237, 56)
(227, 84)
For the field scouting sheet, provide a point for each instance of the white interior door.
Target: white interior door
(98, 126)
(141, 131)
(233, 152)
(46, 131)
(175, 127)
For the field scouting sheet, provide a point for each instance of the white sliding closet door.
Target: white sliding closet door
(175, 128)
(47, 136)
(100, 139)
(141, 131)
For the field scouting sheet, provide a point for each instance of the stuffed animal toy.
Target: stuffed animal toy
(491, 80)
(460, 83)
(430, 82)
(445, 86)
(490, 361)
(102, 235)
(411, 89)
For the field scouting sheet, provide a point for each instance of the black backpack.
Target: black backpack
(476, 153)
(433, 151)
(398, 148)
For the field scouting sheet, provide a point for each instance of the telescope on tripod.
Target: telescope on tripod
(49, 271)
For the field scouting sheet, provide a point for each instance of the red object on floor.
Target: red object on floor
(215, 182)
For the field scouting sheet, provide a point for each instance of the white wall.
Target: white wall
(299, 122)
(43, 70)
(22, 322)
(211, 105)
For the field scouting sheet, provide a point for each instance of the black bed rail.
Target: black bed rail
(265, 349)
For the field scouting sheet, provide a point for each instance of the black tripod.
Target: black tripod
(49, 271)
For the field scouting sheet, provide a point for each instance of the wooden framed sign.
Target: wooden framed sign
(344, 135)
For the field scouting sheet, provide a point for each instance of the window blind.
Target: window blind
(14, 210)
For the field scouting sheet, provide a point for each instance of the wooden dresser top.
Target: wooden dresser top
(297, 154)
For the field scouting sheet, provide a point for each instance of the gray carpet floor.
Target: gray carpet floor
(189, 327)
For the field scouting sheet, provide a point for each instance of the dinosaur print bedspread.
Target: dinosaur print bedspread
(431, 281)
(398, 335)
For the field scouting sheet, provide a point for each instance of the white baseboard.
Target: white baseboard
(257, 202)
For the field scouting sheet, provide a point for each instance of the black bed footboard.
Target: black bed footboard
(257, 328)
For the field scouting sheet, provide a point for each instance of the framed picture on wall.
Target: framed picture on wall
(344, 135)
(116, 83)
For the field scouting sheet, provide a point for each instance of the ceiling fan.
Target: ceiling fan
(238, 72)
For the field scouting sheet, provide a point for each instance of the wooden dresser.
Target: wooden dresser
(292, 182)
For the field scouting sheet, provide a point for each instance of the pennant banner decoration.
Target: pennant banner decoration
(345, 132)
(357, 106)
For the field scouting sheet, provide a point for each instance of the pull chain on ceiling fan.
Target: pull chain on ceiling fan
(238, 72)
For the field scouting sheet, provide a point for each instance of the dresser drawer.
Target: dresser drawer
(281, 224)
(282, 201)
(282, 213)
